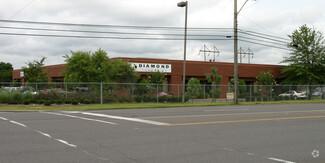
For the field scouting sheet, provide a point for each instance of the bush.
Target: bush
(265, 99)
(286, 98)
(4, 97)
(162, 98)
(41, 101)
(27, 96)
(86, 101)
(247, 98)
(47, 103)
(258, 98)
(27, 102)
(74, 102)
(59, 102)
(67, 101)
(16, 97)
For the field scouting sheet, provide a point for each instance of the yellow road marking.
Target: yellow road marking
(246, 120)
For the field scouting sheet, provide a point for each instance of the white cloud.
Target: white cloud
(273, 17)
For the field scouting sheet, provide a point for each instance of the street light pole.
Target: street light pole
(184, 4)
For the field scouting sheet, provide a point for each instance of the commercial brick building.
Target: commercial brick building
(173, 70)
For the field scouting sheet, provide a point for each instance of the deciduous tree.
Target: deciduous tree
(307, 58)
(34, 71)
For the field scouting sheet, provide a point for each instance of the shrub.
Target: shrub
(40, 101)
(74, 102)
(27, 102)
(162, 98)
(27, 96)
(59, 101)
(67, 101)
(265, 99)
(47, 103)
(286, 98)
(16, 97)
(4, 97)
(258, 98)
(86, 101)
(247, 98)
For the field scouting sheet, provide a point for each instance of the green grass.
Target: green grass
(135, 105)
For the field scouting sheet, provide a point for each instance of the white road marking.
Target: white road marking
(226, 110)
(212, 115)
(251, 154)
(126, 118)
(280, 160)
(101, 158)
(66, 143)
(45, 134)
(17, 123)
(5, 119)
(88, 119)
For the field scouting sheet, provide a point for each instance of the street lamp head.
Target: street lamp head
(182, 4)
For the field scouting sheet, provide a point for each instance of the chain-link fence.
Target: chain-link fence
(99, 93)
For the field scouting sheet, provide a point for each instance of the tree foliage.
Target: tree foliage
(193, 89)
(34, 71)
(156, 77)
(214, 79)
(85, 66)
(241, 85)
(265, 78)
(307, 59)
(5, 72)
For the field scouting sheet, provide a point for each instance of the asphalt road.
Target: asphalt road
(251, 133)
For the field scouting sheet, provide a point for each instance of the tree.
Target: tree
(84, 67)
(265, 78)
(5, 72)
(158, 79)
(96, 67)
(307, 59)
(34, 72)
(241, 85)
(193, 89)
(214, 79)
(143, 86)
(121, 71)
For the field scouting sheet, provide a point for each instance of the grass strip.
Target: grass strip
(135, 105)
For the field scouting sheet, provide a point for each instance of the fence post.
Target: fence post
(270, 92)
(157, 93)
(66, 90)
(132, 92)
(204, 91)
(289, 90)
(101, 92)
(250, 93)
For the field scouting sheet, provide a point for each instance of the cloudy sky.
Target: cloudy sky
(131, 28)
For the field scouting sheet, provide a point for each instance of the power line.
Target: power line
(264, 44)
(106, 37)
(258, 33)
(108, 26)
(106, 32)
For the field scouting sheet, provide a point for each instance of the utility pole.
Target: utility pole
(236, 50)
(235, 54)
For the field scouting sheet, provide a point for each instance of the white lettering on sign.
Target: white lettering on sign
(152, 67)
(21, 74)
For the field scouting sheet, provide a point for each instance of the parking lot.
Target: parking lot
(245, 133)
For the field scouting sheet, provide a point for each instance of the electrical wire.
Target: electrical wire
(263, 39)
(105, 32)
